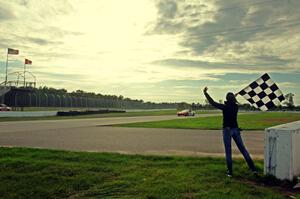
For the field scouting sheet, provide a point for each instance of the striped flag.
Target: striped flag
(27, 61)
(12, 51)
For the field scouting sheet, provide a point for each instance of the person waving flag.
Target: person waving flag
(231, 130)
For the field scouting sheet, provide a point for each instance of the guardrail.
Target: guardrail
(27, 113)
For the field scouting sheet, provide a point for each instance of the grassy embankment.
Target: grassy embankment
(256, 121)
(36, 173)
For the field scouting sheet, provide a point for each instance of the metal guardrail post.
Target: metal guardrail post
(59, 100)
(29, 94)
(39, 99)
(16, 99)
(71, 101)
(46, 99)
(35, 99)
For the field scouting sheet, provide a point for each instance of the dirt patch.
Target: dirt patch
(280, 120)
(283, 187)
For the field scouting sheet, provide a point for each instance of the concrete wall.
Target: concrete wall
(27, 113)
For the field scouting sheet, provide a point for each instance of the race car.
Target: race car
(3, 107)
(186, 112)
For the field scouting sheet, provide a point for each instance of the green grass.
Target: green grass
(257, 121)
(127, 114)
(36, 173)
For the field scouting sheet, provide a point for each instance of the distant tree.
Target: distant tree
(206, 102)
(289, 100)
(194, 106)
(183, 105)
(47, 96)
(121, 97)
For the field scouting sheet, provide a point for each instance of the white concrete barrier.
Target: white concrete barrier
(282, 151)
(27, 113)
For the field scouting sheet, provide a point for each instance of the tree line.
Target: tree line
(52, 97)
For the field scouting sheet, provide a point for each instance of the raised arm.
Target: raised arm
(211, 101)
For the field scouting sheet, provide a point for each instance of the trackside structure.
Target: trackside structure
(282, 151)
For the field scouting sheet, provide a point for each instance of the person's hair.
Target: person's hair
(230, 98)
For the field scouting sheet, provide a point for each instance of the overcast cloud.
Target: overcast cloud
(145, 48)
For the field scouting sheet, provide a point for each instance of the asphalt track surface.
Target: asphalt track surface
(95, 134)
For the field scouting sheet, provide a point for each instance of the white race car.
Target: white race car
(186, 112)
(3, 107)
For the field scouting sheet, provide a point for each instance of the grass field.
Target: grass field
(36, 173)
(256, 121)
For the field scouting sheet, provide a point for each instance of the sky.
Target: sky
(155, 50)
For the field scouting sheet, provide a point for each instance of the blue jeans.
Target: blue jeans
(234, 133)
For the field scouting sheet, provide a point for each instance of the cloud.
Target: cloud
(288, 85)
(231, 31)
(65, 76)
(6, 13)
(41, 41)
(27, 17)
(167, 9)
(267, 64)
(46, 9)
(146, 49)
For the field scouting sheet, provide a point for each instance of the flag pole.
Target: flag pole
(6, 67)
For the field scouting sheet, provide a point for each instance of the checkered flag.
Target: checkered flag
(263, 93)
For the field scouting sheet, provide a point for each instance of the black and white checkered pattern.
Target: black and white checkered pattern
(263, 93)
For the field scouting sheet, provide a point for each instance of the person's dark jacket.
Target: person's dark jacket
(229, 109)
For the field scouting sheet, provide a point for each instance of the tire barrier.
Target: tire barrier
(87, 112)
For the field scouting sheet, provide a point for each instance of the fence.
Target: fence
(42, 99)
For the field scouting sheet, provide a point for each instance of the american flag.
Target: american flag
(12, 51)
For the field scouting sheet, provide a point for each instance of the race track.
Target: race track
(94, 135)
